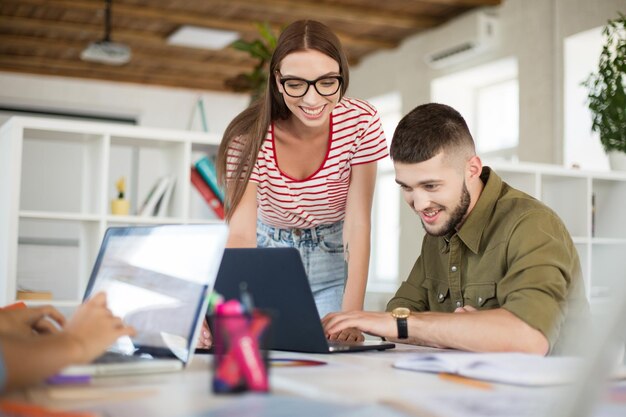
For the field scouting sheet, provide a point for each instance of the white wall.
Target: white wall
(152, 106)
(532, 31)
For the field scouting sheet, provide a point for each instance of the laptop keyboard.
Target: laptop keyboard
(115, 357)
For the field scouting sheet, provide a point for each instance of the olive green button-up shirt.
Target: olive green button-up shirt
(512, 252)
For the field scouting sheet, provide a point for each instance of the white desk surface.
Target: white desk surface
(364, 378)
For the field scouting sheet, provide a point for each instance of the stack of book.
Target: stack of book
(158, 200)
(204, 179)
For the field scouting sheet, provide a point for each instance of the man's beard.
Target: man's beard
(456, 217)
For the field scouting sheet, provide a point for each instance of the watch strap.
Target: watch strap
(403, 332)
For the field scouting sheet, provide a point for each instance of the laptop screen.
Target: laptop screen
(156, 279)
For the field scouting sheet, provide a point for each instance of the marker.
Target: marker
(246, 298)
(68, 379)
(15, 306)
(465, 381)
(213, 300)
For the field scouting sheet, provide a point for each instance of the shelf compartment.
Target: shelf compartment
(609, 264)
(568, 197)
(44, 178)
(523, 181)
(609, 197)
(199, 211)
(143, 166)
(64, 251)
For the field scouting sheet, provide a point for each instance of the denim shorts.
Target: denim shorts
(321, 249)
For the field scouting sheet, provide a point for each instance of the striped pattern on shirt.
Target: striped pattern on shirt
(356, 137)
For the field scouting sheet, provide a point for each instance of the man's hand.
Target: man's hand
(348, 335)
(26, 322)
(465, 309)
(94, 328)
(374, 323)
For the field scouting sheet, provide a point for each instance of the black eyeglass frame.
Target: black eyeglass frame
(312, 83)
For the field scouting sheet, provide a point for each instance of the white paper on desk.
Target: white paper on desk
(508, 368)
(476, 403)
(284, 406)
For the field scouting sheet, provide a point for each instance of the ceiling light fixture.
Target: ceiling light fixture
(204, 38)
(106, 51)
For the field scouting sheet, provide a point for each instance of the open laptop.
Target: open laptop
(156, 279)
(277, 281)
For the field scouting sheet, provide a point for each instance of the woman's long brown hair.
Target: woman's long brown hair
(250, 127)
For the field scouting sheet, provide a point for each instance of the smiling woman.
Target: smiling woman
(299, 167)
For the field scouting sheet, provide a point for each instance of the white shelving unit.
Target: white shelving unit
(57, 179)
(589, 203)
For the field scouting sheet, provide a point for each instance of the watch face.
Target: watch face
(400, 312)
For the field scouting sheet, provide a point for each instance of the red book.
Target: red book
(207, 193)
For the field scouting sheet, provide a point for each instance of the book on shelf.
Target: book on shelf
(27, 294)
(162, 208)
(508, 368)
(148, 208)
(207, 193)
(206, 168)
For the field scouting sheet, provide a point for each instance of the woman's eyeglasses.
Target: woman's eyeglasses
(325, 86)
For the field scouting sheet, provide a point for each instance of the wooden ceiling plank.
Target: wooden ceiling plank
(80, 69)
(334, 11)
(244, 27)
(59, 46)
(131, 37)
(182, 84)
(462, 3)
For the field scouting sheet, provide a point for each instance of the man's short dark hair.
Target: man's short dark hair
(427, 130)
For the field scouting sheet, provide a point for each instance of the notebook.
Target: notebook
(277, 281)
(156, 279)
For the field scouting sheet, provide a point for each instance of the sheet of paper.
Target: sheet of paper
(285, 406)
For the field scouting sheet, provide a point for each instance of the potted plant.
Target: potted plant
(606, 94)
(261, 50)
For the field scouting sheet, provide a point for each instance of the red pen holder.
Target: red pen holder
(240, 361)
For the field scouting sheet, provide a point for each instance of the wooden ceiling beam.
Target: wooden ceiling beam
(462, 3)
(46, 66)
(334, 11)
(131, 37)
(244, 27)
(211, 67)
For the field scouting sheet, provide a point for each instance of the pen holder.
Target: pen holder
(240, 361)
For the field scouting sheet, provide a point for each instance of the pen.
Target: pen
(246, 298)
(465, 381)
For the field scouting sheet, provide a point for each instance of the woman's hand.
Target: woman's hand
(205, 341)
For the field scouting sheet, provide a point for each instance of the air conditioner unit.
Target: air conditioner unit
(461, 39)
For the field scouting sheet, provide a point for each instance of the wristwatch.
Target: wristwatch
(401, 314)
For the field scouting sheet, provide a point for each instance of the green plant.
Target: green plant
(606, 97)
(260, 49)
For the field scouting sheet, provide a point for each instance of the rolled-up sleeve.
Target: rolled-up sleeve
(411, 294)
(535, 287)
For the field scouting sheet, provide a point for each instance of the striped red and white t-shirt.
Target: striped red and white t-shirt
(356, 137)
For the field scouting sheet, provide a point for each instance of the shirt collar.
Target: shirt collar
(471, 231)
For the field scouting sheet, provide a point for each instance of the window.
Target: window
(488, 98)
(386, 207)
(581, 146)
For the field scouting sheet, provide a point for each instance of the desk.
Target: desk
(364, 378)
